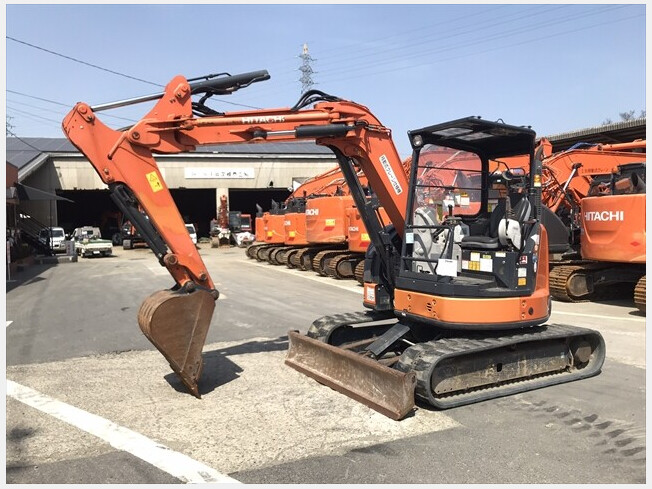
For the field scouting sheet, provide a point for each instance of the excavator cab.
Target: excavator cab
(470, 231)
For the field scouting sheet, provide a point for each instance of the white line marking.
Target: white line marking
(174, 463)
(298, 273)
(8, 323)
(619, 318)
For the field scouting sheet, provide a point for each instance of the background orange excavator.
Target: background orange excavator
(599, 243)
(451, 325)
(299, 245)
(296, 234)
(272, 236)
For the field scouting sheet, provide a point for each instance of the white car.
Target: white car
(55, 236)
(192, 232)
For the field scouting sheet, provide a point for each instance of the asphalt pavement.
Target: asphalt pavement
(90, 400)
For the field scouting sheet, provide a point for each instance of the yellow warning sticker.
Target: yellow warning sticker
(522, 281)
(154, 182)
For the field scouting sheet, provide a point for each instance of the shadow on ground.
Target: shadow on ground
(27, 275)
(218, 370)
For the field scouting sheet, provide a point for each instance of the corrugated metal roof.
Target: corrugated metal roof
(20, 151)
(618, 132)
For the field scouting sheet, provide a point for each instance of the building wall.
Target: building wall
(210, 171)
(190, 171)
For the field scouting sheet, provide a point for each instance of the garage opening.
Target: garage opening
(96, 208)
(89, 208)
(196, 206)
(245, 200)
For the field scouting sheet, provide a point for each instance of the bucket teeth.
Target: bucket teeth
(176, 323)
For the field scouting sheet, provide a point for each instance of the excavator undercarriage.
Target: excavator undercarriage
(582, 280)
(366, 356)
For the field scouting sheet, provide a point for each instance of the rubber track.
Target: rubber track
(276, 257)
(639, 294)
(253, 249)
(289, 258)
(322, 328)
(298, 258)
(262, 254)
(359, 272)
(560, 275)
(421, 357)
(557, 280)
(319, 258)
(332, 268)
(295, 258)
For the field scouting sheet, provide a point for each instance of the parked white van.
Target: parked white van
(56, 237)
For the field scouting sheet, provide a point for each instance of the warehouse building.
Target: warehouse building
(247, 174)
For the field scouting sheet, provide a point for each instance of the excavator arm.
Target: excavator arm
(177, 320)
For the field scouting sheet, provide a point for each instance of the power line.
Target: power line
(33, 115)
(420, 55)
(58, 112)
(473, 33)
(54, 111)
(38, 98)
(82, 62)
(472, 41)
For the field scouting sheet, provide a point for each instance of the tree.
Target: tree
(626, 116)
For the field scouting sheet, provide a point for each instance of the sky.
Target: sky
(554, 67)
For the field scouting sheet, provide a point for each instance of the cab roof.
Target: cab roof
(486, 138)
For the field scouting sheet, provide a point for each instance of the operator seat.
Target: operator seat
(492, 240)
(424, 240)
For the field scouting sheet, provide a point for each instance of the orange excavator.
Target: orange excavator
(596, 219)
(273, 236)
(349, 262)
(452, 325)
(297, 231)
(269, 233)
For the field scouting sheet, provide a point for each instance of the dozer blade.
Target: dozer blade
(176, 322)
(383, 389)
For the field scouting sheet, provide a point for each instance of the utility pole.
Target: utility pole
(306, 70)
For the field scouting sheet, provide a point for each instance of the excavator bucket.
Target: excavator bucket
(176, 322)
(382, 388)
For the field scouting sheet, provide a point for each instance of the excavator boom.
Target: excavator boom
(177, 320)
